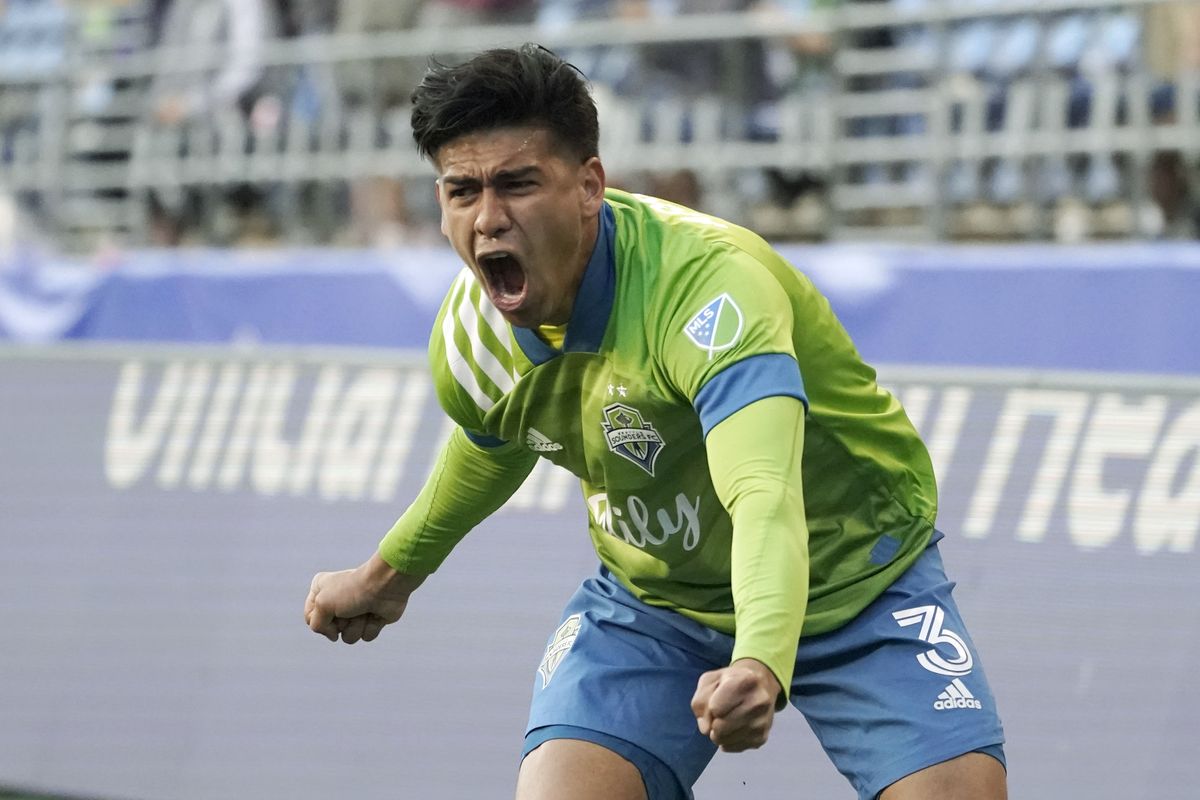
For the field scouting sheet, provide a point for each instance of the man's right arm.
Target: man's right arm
(468, 483)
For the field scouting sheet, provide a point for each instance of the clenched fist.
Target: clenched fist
(355, 604)
(735, 706)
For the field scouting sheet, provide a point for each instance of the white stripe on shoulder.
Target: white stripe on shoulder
(489, 362)
(459, 367)
(491, 315)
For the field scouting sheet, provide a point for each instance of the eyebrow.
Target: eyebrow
(502, 175)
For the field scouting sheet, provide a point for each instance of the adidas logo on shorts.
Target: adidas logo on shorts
(956, 695)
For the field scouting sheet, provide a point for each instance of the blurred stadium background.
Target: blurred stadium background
(219, 262)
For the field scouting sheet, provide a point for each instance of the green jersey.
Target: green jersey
(682, 320)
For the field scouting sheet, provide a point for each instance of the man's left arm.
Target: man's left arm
(754, 458)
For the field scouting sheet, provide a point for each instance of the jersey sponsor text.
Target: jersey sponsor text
(634, 523)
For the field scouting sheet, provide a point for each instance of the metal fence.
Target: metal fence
(912, 119)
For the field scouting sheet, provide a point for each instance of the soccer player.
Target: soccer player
(762, 510)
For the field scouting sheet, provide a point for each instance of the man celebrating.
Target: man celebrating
(762, 510)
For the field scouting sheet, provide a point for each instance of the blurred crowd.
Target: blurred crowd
(1096, 193)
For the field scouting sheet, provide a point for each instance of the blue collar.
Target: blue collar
(593, 302)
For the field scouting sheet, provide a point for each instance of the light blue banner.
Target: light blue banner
(1116, 308)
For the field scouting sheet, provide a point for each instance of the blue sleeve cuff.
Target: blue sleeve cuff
(748, 380)
(486, 442)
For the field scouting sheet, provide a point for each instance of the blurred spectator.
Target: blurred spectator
(98, 23)
(34, 37)
(647, 81)
(379, 83)
(793, 203)
(235, 31)
(32, 41)
(1172, 47)
(734, 70)
(231, 93)
(374, 91)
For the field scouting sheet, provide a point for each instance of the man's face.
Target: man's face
(522, 216)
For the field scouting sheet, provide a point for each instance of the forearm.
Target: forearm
(770, 578)
(467, 484)
(754, 458)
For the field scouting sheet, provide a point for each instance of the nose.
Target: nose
(491, 217)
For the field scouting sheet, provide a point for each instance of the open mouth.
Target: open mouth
(505, 280)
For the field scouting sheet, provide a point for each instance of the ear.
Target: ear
(437, 195)
(591, 185)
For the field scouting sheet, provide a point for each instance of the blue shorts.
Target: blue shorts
(897, 689)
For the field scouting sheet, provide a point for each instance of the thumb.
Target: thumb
(701, 700)
(318, 615)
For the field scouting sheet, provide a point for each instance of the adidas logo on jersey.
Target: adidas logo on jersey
(537, 441)
(956, 695)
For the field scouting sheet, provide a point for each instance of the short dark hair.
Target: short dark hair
(500, 88)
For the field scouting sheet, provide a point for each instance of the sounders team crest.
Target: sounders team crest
(560, 645)
(630, 436)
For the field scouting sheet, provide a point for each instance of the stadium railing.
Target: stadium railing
(927, 120)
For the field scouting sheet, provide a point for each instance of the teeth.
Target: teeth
(503, 272)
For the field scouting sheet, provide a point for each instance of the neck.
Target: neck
(578, 268)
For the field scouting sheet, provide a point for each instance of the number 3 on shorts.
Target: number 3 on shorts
(931, 619)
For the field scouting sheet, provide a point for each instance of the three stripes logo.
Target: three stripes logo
(538, 442)
(956, 695)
